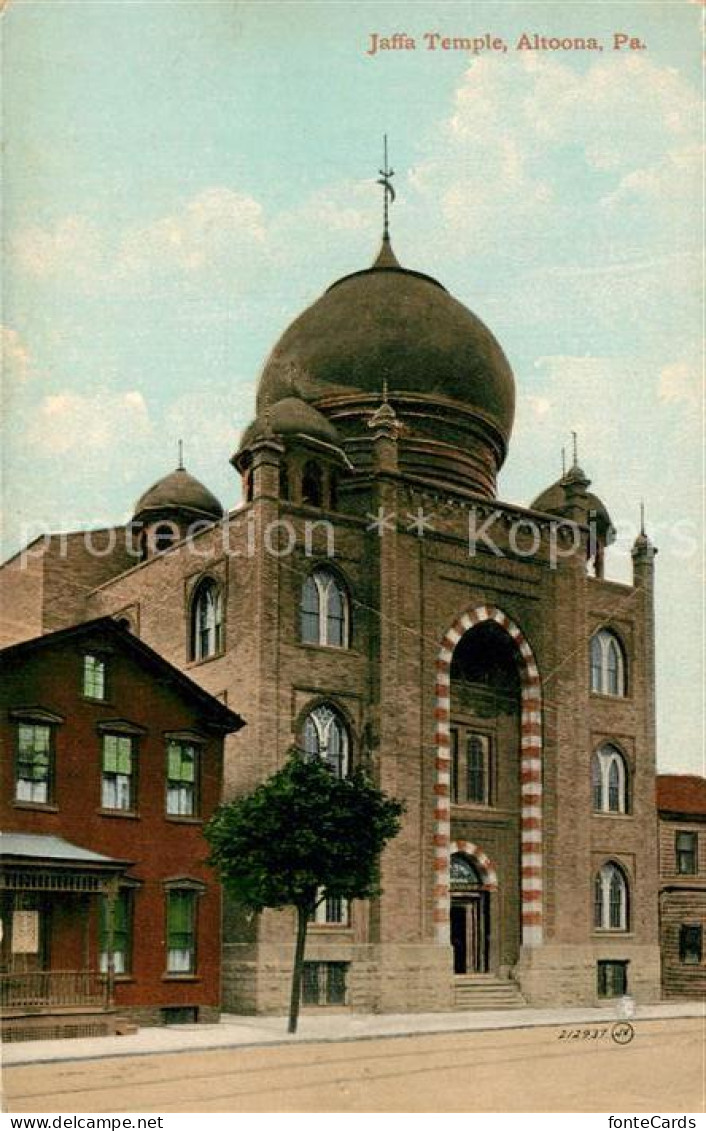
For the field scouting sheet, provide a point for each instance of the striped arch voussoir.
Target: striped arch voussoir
(485, 865)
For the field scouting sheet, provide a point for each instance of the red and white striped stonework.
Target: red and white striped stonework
(530, 772)
(487, 869)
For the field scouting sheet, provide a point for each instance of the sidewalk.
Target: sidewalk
(241, 1032)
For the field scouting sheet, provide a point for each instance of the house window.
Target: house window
(93, 677)
(691, 944)
(607, 664)
(35, 764)
(686, 850)
(331, 911)
(206, 620)
(612, 979)
(610, 899)
(312, 484)
(181, 931)
(118, 777)
(122, 933)
(471, 766)
(182, 778)
(609, 776)
(324, 610)
(324, 983)
(325, 736)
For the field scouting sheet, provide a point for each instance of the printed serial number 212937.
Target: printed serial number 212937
(582, 1034)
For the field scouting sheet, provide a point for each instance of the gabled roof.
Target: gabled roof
(105, 628)
(682, 793)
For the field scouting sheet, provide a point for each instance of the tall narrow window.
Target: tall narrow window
(472, 770)
(610, 899)
(93, 677)
(181, 931)
(118, 776)
(685, 845)
(478, 769)
(691, 944)
(607, 664)
(35, 764)
(122, 933)
(182, 778)
(331, 910)
(612, 978)
(206, 620)
(610, 780)
(324, 610)
(325, 736)
(312, 484)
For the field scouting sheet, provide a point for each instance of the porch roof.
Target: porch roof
(32, 848)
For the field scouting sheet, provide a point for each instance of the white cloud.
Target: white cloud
(680, 382)
(95, 425)
(15, 356)
(72, 245)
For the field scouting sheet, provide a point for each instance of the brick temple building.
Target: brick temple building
(681, 802)
(114, 760)
(373, 601)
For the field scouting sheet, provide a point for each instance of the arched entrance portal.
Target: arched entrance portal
(471, 911)
(530, 776)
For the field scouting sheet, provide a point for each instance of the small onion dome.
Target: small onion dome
(178, 491)
(291, 417)
(554, 501)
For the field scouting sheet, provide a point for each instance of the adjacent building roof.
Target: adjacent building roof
(31, 848)
(105, 629)
(682, 793)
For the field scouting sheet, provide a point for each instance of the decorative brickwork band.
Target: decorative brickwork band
(530, 776)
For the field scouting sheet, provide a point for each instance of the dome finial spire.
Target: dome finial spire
(388, 193)
(180, 464)
(563, 463)
(642, 519)
(575, 441)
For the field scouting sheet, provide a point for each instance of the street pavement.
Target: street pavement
(654, 1065)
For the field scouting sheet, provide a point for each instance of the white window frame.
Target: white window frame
(207, 620)
(603, 643)
(323, 912)
(326, 581)
(606, 756)
(605, 875)
(322, 720)
(94, 668)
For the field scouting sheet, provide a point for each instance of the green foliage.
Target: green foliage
(302, 829)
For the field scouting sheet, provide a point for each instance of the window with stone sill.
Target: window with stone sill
(691, 944)
(122, 933)
(325, 736)
(472, 770)
(206, 620)
(330, 911)
(181, 931)
(686, 852)
(607, 665)
(609, 780)
(324, 610)
(610, 907)
(118, 775)
(182, 778)
(34, 766)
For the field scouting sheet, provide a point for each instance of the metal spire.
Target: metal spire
(563, 463)
(180, 465)
(386, 175)
(576, 449)
(642, 518)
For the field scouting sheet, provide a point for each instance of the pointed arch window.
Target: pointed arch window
(207, 620)
(312, 484)
(610, 896)
(607, 663)
(324, 611)
(325, 736)
(610, 780)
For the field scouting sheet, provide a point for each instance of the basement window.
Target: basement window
(324, 983)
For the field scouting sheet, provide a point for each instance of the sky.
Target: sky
(183, 178)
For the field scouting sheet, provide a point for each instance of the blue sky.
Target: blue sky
(181, 179)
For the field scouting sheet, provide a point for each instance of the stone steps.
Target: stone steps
(485, 991)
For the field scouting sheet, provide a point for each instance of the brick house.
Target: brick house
(113, 761)
(681, 804)
(374, 601)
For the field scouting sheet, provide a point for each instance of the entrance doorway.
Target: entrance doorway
(470, 933)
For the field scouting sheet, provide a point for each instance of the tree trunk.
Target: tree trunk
(302, 924)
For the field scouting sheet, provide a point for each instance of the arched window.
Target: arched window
(610, 908)
(610, 780)
(607, 664)
(206, 620)
(325, 736)
(312, 484)
(464, 872)
(324, 610)
(165, 535)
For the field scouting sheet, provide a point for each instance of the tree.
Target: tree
(302, 833)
